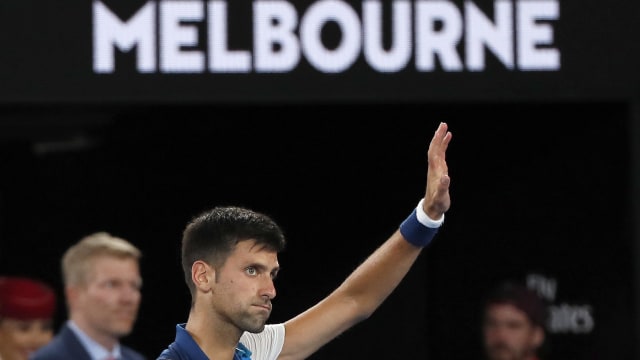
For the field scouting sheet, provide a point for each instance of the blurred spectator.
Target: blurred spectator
(102, 290)
(27, 308)
(514, 323)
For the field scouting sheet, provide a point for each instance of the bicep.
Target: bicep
(312, 329)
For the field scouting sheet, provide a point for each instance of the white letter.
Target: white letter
(221, 59)
(174, 35)
(399, 54)
(108, 30)
(276, 47)
(345, 54)
(441, 42)
(532, 34)
(480, 31)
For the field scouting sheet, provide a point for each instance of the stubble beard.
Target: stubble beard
(252, 323)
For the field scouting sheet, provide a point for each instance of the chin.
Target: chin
(256, 329)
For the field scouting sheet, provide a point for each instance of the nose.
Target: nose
(269, 289)
(499, 333)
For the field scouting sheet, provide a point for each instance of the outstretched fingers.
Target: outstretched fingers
(437, 199)
(440, 141)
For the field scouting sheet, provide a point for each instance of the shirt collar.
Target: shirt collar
(95, 350)
(242, 353)
(185, 343)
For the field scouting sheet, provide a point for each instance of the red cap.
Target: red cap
(23, 298)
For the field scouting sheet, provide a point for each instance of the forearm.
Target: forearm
(373, 280)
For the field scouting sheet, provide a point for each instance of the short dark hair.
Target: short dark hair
(212, 235)
(521, 297)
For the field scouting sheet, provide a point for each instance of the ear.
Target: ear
(71, 293)
(538, 336)
(202, 275)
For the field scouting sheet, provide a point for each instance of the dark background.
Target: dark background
(537, 187)
(545, 170)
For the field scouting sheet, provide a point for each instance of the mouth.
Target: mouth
(264, 307)
(499, 350)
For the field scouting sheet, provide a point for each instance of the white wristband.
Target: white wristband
(425, 219)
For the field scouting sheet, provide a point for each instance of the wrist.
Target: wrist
(425, 219)
(418, 228)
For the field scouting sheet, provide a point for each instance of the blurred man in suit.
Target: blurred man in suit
(102, 289)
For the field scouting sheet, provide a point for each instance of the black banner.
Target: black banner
(251, 51)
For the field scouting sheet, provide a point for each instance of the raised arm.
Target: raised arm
(369, 284)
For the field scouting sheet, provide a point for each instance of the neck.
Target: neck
(105, 340)
(216, 338)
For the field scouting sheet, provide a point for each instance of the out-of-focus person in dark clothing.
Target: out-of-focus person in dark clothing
(514, 323)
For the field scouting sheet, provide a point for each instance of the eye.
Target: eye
(251, 271)
(110, 284)
(24, 326)
(47, 325)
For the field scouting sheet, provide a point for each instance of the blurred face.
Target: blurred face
(19, 338)
(244, 287)
(106, 307)
(509, 335)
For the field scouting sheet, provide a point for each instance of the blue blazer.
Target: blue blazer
(66, 346)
